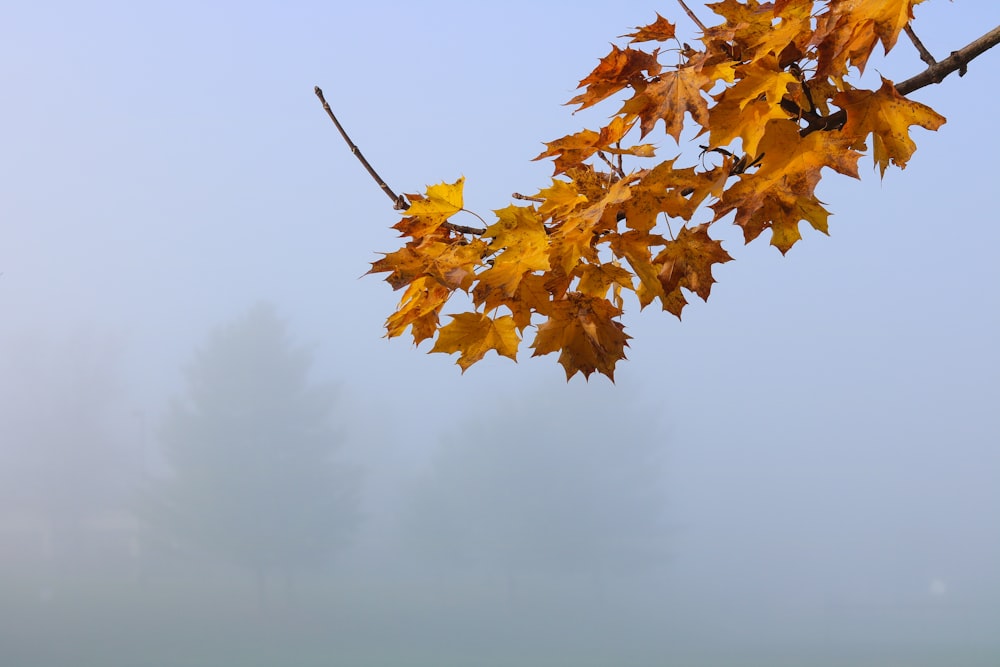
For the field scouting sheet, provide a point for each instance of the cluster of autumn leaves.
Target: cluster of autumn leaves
(769, 89)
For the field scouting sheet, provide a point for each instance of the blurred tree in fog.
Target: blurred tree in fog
(546, 486)
(251, 448)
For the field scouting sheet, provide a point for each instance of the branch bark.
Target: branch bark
(936, 73)
(398, 201)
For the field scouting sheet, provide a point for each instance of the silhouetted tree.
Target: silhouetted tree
(251, 450)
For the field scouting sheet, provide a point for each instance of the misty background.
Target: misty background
(209, 455)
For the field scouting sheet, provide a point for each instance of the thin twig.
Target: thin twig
(925, 55)
(462, 229)
(615, 169)
(398, 201)
(518, 195)
(692, 16)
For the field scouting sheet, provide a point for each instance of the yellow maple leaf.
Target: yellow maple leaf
(886, 116)
(427, 213)
(533, 296)
(743, 109)
(597, 279)
(634, 247)
(519, 237)
(419, 308)
(475, 334)
(573, 237)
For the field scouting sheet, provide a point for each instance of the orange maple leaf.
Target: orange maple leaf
(780, 193)
(887, 116)
(616, 70)
(452, 263)
(661, 30)
(583, 329)
(687, 261)
(668, 98)
(475, 334)
(573, 149)
(847, 32)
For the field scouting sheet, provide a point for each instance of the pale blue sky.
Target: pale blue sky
(165, 165)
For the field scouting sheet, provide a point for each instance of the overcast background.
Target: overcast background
(825, 428)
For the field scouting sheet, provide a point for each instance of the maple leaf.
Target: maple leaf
(668, 98)
(583, 329)
(521, 236)
(597, 279)
(419, 308)
(573, 237)
(475, 334)
(533, 295)
(887, 116)
(660, 30)
(452, 262)
(773, 75)
(616, 70)
(427, 213)
(780, 192)
(634, 247)
(743, 110)
(572, 150)
(687, 261)
(847, 32)
(665, 189)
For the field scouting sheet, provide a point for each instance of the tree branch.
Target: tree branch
(936, 73)
(958, 60)
(398, 201)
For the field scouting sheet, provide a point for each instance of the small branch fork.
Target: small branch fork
(925, 55)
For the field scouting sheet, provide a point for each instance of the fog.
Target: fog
(210, 456)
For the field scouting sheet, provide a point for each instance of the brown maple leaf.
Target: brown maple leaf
(584, 331)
